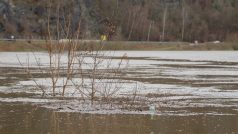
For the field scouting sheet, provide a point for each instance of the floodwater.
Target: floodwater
(194, 93)
(28, 119)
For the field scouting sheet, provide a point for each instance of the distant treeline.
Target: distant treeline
(137, 20)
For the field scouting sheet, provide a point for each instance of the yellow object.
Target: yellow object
(103, 37)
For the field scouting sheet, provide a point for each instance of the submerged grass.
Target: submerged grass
(39, 45)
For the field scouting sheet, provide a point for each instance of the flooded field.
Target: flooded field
(192, 92)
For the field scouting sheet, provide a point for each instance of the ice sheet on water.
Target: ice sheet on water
(145, 88)
(226, 56)
(195, 72)
(24, 59)
(148, 69)
(1, 78)
(27, 100)
(76, 106)
(10, 58)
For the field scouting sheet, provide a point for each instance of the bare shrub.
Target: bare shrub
(88, 71)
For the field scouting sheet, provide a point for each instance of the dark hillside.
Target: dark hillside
(140, 20)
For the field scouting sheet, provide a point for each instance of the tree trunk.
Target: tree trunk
(132, 27)
(164, 22)
(183, 21)
(149, 31)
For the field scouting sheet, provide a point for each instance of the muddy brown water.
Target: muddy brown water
(21, 118)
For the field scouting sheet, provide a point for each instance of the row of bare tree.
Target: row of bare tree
(151, 20)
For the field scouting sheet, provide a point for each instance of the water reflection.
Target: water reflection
(28, 119)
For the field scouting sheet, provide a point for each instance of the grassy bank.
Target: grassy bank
(39, 45)
(12, 46)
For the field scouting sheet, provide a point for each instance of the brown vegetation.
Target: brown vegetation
(118, 45)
